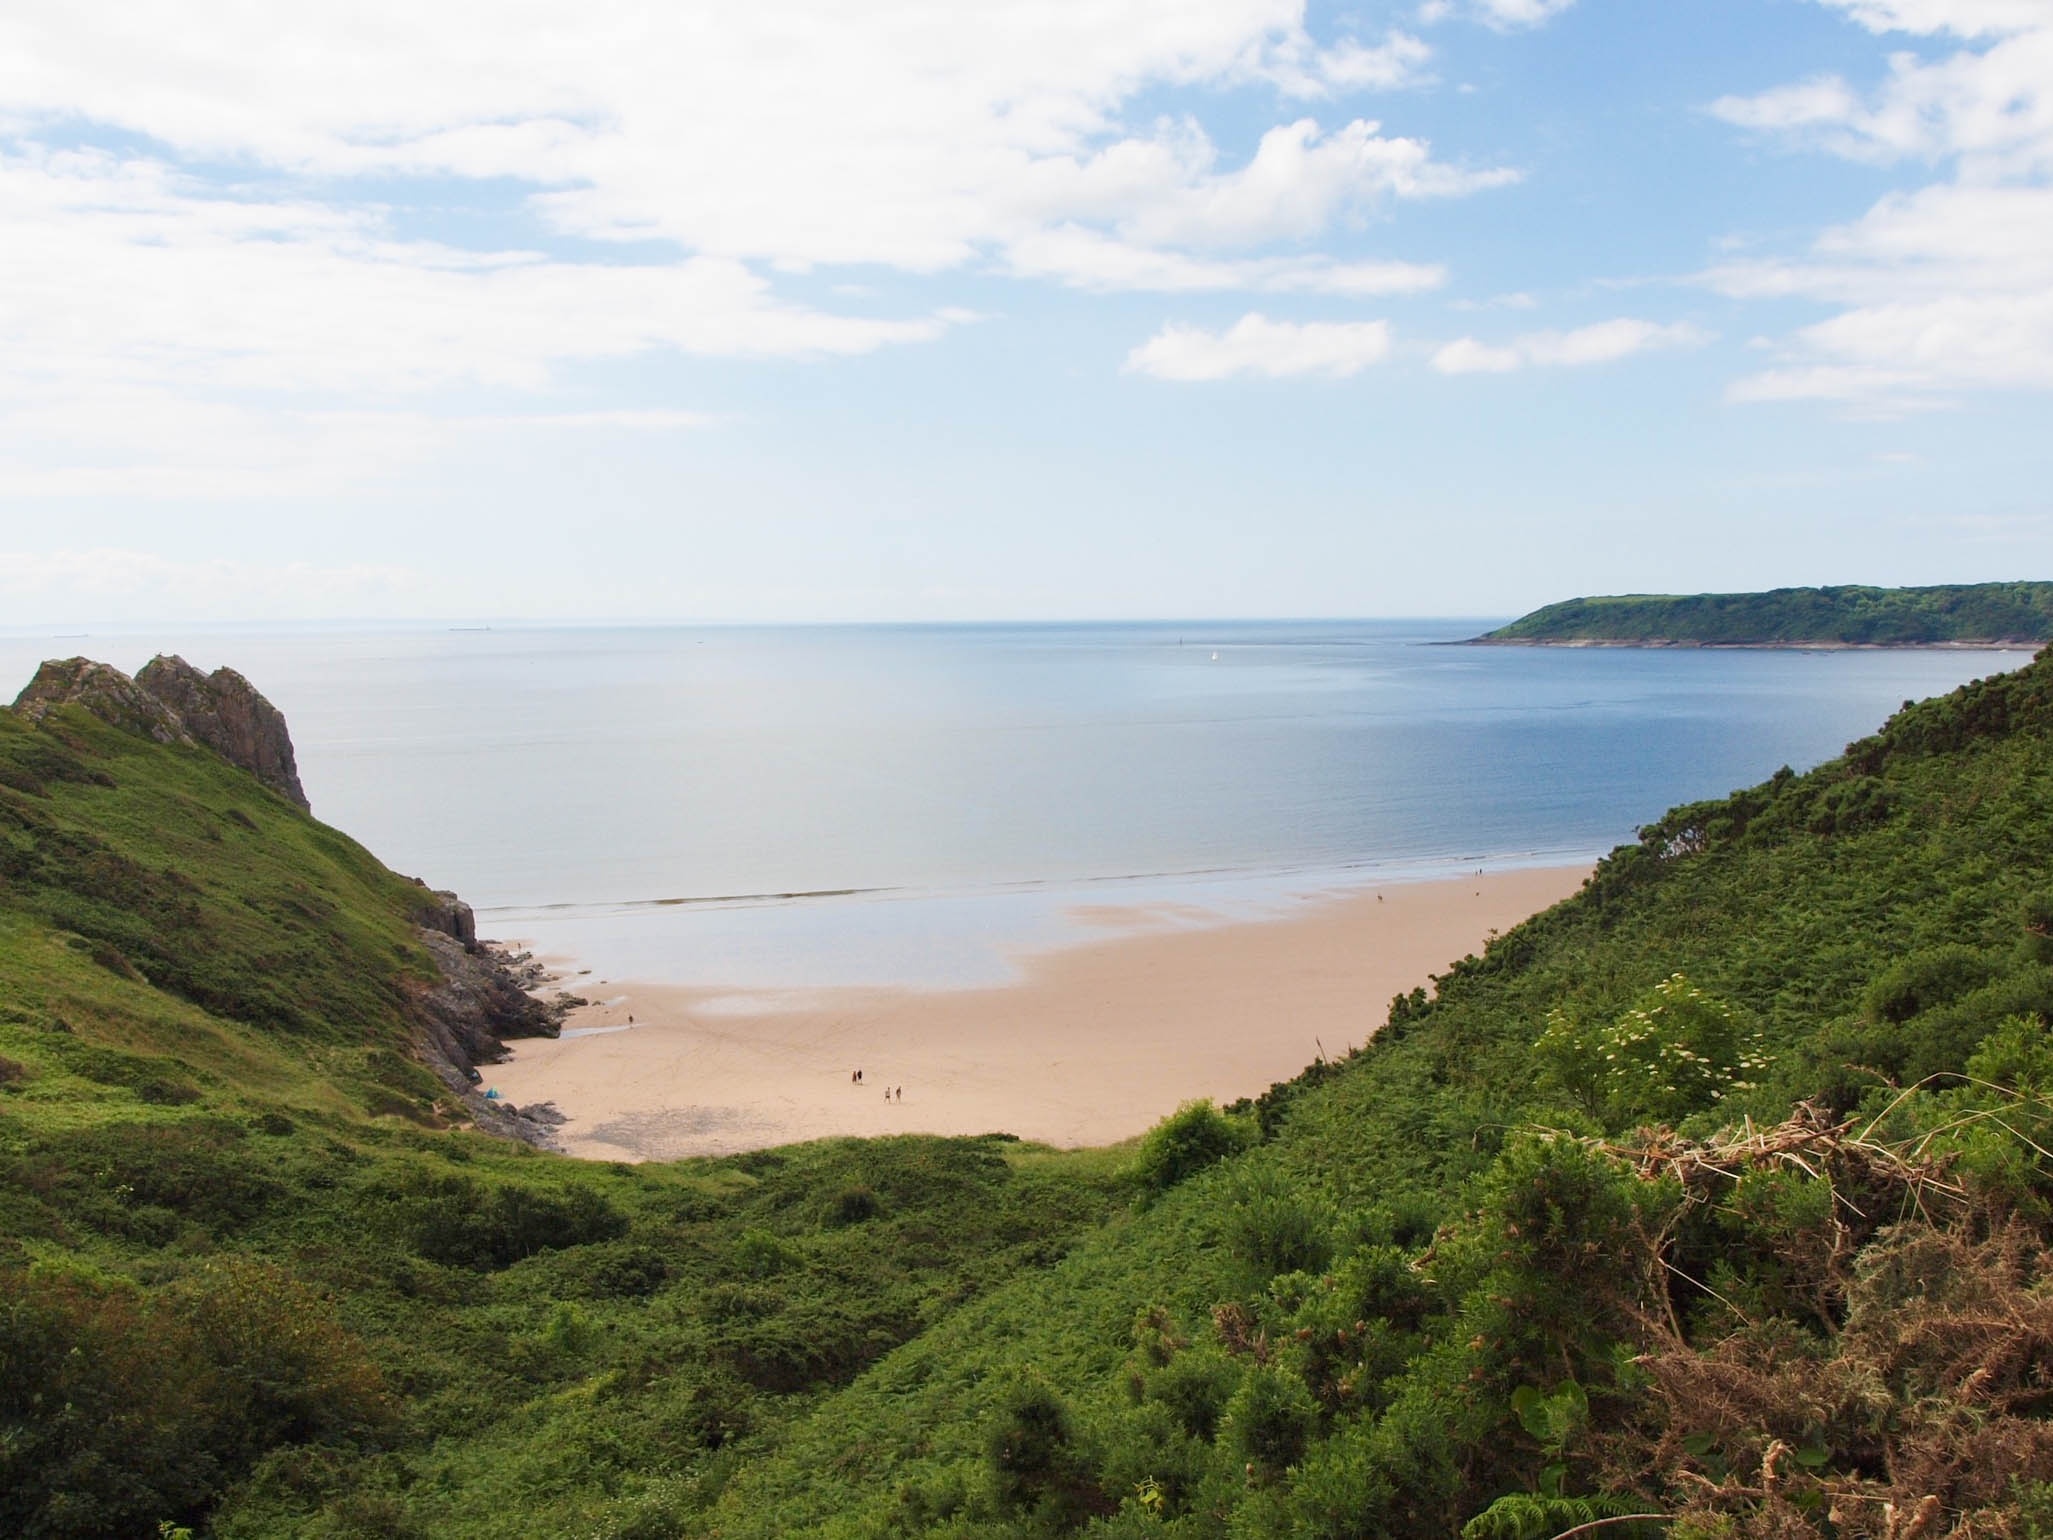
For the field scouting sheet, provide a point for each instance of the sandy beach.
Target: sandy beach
(1093, 1044)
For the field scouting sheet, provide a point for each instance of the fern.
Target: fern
(1529, 1516)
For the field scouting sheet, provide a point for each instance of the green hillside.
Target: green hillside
(1844, 616)
(1718, 1193)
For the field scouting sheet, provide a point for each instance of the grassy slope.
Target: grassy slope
(825, 1339)
(1977, 612)
(1802, 901)
(212, 1129)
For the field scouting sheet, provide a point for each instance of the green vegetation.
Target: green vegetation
(1720, 1193)
(1842, 616)
(256, 1278)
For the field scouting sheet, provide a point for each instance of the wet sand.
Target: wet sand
(1092, 1045)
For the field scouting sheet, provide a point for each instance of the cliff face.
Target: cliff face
(246, 931)
(173, 702)
(103, 690)
(224, 711)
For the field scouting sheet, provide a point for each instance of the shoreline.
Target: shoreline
(1671, 644)
(1093, 1044)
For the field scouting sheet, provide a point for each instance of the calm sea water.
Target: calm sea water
(660, 801)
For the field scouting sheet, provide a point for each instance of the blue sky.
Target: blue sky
(1121, 308)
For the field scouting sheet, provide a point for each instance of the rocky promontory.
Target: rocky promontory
(173, 702)
(224, 711)
(478, 995)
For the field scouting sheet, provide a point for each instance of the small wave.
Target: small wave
(1392, 869)
(630, 905)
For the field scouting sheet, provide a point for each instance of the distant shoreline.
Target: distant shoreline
(1956, 616)
(1667, 643)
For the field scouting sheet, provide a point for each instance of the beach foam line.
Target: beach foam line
(628, 905)
(1428, 868)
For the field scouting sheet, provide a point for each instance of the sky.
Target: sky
(1014, 309)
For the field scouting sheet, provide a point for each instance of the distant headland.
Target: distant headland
(1947, 615)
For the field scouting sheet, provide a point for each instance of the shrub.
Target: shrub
(286, 1369)
(121, 1175)
(611, 1270)
(1931, 977)
(2018, 1056)
(1269, 1421)
(1036, 1464)
(853, 1205)
(1850, 806)
(1274, 1227)
(108, 1411)
(459, 1222)
(1194, 1388)
(1676, 1051)
(1194, 1136)
(761, 1254)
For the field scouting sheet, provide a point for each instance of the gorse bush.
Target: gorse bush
(1269, 1421)
(460, 1222)
(1776, 1265)
(1275, 1225)
(1191, 1138)
(120, 1408)
(1037, 1465)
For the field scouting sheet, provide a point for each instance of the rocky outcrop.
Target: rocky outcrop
(444, 913)
(224, 711)
(106, 692)
(173, 702)
(478, 1000)
(479, 996)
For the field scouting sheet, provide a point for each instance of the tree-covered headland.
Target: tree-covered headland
(1965, 614)
(1715, 1201)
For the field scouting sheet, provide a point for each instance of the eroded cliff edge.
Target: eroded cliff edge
(477, 996)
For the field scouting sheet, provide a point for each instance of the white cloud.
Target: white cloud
(1257, 345)
(1992, 107)
(1521, 13)
(125, 440)
(228, 250)
(1091, 260)
(1465, 355)
(629, 420)
(1944, 289)
(1968, 18)
(123, 268)
(822, 131)
(1502, 15)
(1300, 68)
(1166, 192)
(1603, 343)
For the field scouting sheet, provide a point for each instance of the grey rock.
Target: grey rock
(464, 1016)
(226, 712)
(106, 692)
(479, 996)
(475, 1001)
(445, 913)
(170, 701)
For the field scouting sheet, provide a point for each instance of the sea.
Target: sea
(758, 807)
